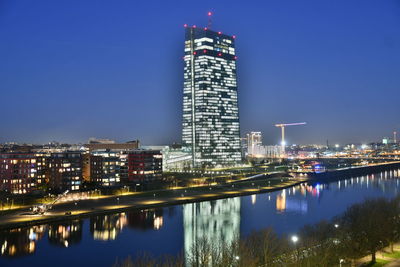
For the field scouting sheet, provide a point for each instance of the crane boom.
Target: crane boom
(282, 126)
(290, 124)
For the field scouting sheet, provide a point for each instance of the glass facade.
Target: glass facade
(210, 124)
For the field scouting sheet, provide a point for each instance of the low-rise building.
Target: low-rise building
(65, 171)
(144, 165)
(92, 168)
(17, 172)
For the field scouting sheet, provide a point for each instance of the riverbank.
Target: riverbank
(144, 200)
(332, 175)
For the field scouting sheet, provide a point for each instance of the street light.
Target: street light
(294, 239)
(336, 225)
(340, 262)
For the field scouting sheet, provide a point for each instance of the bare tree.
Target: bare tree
(367, 228)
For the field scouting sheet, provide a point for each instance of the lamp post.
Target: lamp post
(295, 239)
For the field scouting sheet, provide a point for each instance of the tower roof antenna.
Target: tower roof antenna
(209, 14)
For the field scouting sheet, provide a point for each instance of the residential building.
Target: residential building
(65, 171)
(110, 168)
(17, 172)
(92, 168)
(144, 165)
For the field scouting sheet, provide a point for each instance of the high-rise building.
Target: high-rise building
(210, 124)
(254, 141)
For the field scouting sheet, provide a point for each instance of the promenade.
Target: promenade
(142, 200)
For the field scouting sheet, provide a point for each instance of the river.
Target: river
(99, 240)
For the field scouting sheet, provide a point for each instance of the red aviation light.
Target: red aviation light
(204, 51)
(234, 36)
(219, 54)
(209, 13)
(185, 25)
(205, 28)
(219, 32)
(194, 53)
(194, 26)
(235, 57)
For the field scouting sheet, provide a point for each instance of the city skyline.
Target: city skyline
(90, 75)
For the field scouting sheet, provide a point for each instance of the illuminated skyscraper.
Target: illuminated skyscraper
(210, 124)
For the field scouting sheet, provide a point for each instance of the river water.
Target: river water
(100, 240)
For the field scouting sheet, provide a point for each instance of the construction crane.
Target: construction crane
(282, 126)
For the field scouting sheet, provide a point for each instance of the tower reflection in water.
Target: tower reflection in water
(217, 221)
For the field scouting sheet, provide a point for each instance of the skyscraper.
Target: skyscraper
(210, 124)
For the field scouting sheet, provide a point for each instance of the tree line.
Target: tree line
(363, 229)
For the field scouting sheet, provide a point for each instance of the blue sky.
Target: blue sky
(71, 70)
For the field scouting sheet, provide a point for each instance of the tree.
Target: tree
(366, 227)
(393, 222)
(320, 244)
(261, 248)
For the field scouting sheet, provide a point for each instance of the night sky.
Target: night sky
(70, 70)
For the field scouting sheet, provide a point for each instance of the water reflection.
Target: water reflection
(286, 203)
(146, 219)
(217, 220)
(21, 241)
(107, 227)
(65, 234)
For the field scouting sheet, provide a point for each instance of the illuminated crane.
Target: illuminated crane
(282, 126)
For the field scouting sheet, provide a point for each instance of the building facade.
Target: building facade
(254, 142)
(65, 171)
(112, 166)
(92, 168)
(17, 172)
(210, 126)
(144, 165)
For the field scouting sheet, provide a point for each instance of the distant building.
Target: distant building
(273, 151)
(94, 140)
(210, 126)
(144, 165)
(255, 148)
(65, 171)
(254, 142)
(113, 146)
(17, 172)
(174, 157)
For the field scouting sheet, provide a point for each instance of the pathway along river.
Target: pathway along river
(99, 240)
